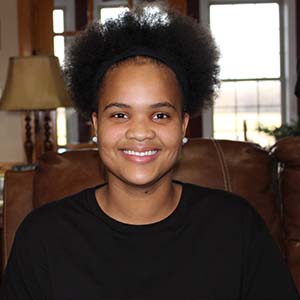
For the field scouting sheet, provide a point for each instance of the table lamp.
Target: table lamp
(34, 83)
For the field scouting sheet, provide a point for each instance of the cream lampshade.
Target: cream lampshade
(34, 83)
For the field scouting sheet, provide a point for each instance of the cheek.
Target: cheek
(172, 137)
(108, 138)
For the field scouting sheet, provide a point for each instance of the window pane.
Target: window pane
(59, 47)
(270, 94)
(58, 21)
(254, 102)
(249, 39)
(61, 126)
(246, 95)
(111, 12)
(224, 122)
(227, 96)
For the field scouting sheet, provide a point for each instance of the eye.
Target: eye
(159, 116)
(120, 116)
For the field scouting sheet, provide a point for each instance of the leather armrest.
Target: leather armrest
(287, 152)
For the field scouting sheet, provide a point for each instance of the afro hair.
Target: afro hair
(156, 27)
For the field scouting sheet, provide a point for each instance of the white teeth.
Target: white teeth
(145, 153)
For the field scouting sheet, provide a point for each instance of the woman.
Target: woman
(143, 235)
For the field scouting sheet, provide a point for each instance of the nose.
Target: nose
(140, 130)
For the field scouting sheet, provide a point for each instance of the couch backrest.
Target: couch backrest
(60, 175)
(239, 167)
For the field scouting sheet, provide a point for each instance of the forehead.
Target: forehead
(138, 64)
(141, 79)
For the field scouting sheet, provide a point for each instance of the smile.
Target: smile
(143, 153)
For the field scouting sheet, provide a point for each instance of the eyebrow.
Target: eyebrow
(163, 104)
(155, 105)
(116, 104)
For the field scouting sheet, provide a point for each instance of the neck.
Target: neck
(138, 204)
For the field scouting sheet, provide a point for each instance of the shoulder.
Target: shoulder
(52, 215)
(214, 197)
(221, 205)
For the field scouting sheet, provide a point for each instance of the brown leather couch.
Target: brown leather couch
(269, 180)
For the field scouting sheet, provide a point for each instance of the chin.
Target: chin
(143, 183)
(144, 180)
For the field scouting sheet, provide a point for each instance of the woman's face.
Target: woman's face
(140, 123)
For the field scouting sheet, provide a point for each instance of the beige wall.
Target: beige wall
(11, 148)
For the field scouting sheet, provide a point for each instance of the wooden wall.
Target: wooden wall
(35, 27)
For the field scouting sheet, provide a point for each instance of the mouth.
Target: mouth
(140, 156)
(140, 153)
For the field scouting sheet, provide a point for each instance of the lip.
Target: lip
(146, 155)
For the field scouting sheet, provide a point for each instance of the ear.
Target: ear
(95, 122)
(185, 123)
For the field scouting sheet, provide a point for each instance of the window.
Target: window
(106, 9)
(58, 30)
(248, 35)
(64, 30)
(106, 13)
(59, 51)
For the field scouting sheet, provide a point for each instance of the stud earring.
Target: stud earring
(94, 139)
(184, 140)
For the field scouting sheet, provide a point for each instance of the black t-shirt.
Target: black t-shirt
(214, 246)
